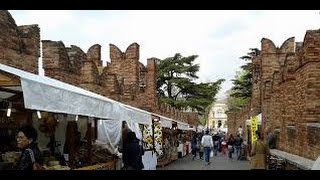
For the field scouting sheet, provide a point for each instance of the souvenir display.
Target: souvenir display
(147, 137)
(158, 139)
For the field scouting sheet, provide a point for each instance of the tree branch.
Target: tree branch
(175, 97)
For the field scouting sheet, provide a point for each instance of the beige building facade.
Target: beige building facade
(217, 118)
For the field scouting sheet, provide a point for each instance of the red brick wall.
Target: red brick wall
(94, 54)
(120, 79)
(126, 68)
(289, 84)
(151, 85)
(19, 45)
(124, 79)
(256, 93)
(76, 60)
(57, 64)
(237, 119)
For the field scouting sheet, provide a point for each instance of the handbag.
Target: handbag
(35, 165)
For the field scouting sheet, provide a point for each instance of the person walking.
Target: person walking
(240, 131)
(207, 144)
(216, 142)
(259, 152)
(230, 146)
(199, 146)
(237, 144)
(223, 146)
(194, 146)
(132, 153)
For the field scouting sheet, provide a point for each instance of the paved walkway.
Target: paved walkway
(217, 163)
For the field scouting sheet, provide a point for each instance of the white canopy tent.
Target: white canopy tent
(200, 128)
(165, 122)
(47, 94)
(183, 126)
(51, 95)
(109, 133)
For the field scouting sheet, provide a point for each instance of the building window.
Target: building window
(219, 113)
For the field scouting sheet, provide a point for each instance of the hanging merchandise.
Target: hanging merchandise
(254, 128)
(165, 158)
(147, 137)
(158, 138)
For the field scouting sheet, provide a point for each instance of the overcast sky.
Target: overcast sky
(218, 37)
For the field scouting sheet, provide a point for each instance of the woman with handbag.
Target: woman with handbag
(30, 158)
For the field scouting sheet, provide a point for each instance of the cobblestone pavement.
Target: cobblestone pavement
(217, 163)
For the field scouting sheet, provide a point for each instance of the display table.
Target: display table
(100, 166)
(58, 168)
(6, 165)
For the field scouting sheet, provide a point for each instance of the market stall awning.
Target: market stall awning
(165, 122)
(183, 126)
(134, 114)
(193, 128)
(47, 94)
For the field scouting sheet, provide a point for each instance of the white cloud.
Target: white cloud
(47, 19)
(218, 37)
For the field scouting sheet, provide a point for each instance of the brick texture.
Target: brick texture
(286, 86)
(19, 45)
(124, 79)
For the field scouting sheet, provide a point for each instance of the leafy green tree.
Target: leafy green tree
(176, 84)
(242, 84)
(203, 119)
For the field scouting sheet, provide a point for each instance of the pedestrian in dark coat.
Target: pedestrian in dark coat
(132, 153)
(194, 146)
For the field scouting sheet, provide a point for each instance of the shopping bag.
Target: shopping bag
(211, 153)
